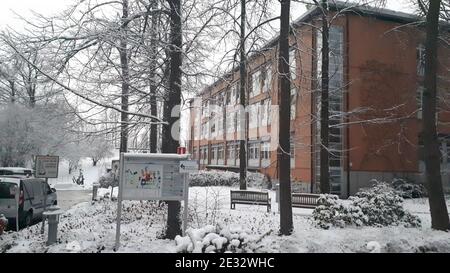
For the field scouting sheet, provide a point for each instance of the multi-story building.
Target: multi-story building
(376, 74)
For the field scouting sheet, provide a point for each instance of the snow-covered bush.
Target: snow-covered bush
(213, 178)
(225, 178)
(383, 206)
(333, 212)
(258, 180)
(377, 206)
(408, 189)
(210, 239)
(108, 180)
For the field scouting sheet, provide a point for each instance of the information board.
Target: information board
(46, 166)
(152, 177)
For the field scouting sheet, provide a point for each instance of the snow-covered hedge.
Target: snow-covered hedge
(377, 206)
(407, 189)
(210, 239)
(384, 207)
(225, 178)
(333, 212)
(108, 180)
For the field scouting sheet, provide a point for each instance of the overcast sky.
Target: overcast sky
(48, 7)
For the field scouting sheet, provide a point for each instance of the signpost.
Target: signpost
(188, 166)
(46, 167)
(153, 177)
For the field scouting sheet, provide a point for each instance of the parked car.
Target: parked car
(15, 171)
(30, 194)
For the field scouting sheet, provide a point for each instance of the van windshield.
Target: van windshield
(7, 190)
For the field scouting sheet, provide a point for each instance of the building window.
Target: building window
(254, 154)
(220, 100)
(293, 64)
(230, 120)
(204, 131)
(228, 97)
(220, 153)
(421, 60)
(256, 83)
(236, 92)
(213, 153)
(204, 154)
(231, 151)
(253, 151)
(266, 77)
(253, 116)
(419, 101)
(194, 153)
(265, 151)
(204, 108)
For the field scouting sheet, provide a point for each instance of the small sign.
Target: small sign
(188, 166)
(47, 166)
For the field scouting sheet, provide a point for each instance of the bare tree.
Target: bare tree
(438, 208)
(171, 141)
(243, 96)
(284, 93)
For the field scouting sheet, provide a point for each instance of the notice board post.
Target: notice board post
(47, 166)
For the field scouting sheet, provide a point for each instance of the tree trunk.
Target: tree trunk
(284, 89)
(438, 208)
(242, 102)
(171, 142)
(324, 110)
(152, 76)
(125, 80)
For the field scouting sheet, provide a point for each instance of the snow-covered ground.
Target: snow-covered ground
(90, 227)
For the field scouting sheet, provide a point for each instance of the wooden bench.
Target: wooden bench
(250, 198)
(305, 200)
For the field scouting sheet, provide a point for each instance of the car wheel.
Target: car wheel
(28, 219)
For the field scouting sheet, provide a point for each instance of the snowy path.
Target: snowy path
(67, 199)
(91, 174)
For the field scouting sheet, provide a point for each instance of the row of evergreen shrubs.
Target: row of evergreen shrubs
(378, 206)
(229, 179)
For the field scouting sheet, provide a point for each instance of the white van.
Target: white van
(29, 194)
